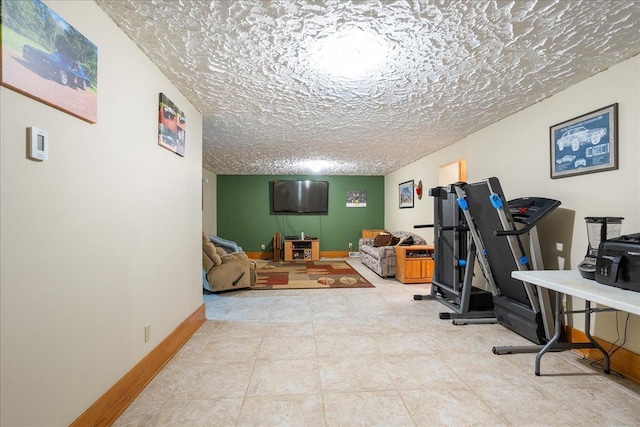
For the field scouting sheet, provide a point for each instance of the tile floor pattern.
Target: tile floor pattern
(367, 357)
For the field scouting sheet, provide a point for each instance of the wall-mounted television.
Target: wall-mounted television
(300, 197)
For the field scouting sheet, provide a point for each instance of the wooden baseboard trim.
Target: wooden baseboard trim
(623, 361)
(259, 255)
(106, 410)
(334, 254)
(323, 254)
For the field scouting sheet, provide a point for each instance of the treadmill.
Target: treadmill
(454, 261)
(519, 306)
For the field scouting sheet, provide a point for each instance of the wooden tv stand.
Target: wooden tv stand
(414, 264)
(302, 250)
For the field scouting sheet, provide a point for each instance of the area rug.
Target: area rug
(309, 275)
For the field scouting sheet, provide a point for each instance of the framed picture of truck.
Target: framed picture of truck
(172, 126)
(45, 58)
(585, 144)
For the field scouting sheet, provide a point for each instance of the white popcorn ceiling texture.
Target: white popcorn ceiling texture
(453, 68)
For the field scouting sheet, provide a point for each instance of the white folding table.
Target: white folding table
(569, 282)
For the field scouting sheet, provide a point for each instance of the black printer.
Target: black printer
(618, 262)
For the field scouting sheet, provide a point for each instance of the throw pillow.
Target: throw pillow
(408, 241)
(401, 241)
(382, 239)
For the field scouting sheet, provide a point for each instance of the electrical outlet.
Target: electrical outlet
(350, 246)
(262, 246)
(147, 333)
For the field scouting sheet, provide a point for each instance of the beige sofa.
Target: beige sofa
(223, 271)
(382, 258)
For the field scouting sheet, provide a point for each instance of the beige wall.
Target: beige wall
(516, 150)
(425, 169)
(209, 204)
(96, 242)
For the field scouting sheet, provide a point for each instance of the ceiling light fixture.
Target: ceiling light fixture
(315, 165)
(352, 54)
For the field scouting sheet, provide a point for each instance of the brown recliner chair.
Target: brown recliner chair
(226, 271)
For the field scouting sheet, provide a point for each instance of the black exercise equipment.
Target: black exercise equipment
(454, 261)
(519, 306)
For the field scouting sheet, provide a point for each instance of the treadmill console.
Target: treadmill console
(530, 210)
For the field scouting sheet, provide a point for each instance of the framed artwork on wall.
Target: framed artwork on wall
(585, 144)
(172, 126)
(405, 191)
(356, 199)
(45, 58)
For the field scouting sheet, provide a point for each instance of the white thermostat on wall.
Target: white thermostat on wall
(38, 143)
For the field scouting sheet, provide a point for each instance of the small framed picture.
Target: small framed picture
(356, 199)
(405, 191)
(585, 144)
(172, 126)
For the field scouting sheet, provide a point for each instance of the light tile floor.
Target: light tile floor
(367, 357)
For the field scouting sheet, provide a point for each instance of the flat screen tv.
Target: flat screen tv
(300, 197)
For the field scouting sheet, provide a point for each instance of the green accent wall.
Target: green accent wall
(244, 207)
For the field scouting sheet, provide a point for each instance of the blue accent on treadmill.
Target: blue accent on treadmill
(462, 262)
(496, 201)
(463, 204)
(484, 252)
(524, 260)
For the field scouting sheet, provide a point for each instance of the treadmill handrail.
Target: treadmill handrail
(524, 230)
(455, 228)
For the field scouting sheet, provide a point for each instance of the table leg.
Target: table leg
(556, 335)
(587, 332)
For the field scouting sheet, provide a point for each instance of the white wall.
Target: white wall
(425, 169)
(209, 203)
(516, 150)
(96, 242)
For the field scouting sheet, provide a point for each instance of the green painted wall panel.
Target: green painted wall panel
(244, 211)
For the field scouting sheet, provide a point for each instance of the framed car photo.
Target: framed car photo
(585, 144)
(172, 126)
(45, 58)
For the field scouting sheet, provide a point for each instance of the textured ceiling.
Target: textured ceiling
(255, 70)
